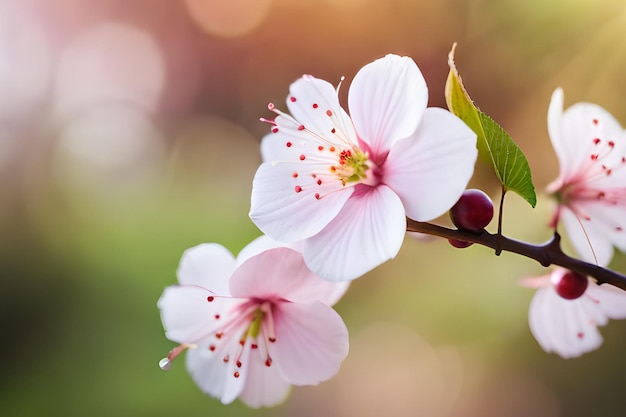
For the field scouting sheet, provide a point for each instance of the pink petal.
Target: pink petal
(368, 231)
(386, 101)
(281, 273)
(430, 169)
(563, 326)
(286, 208)
(188, 316)
(311, 342)
(588, 241)
(208, 265)
(265, 386)
(536, 282)
(315, 105)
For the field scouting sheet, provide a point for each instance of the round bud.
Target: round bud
(570, 285)
(473, 211)
(459, 243)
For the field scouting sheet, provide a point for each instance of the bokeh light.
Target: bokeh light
(129, 132)
(25, 63)
(109, 62)
(112, 142)
(230, 19)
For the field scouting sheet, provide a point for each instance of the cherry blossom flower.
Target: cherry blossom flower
(255, 325)
(591, 187)
(569, 327)
(344, 185)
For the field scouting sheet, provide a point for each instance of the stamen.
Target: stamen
(266, 308)
(166, 362)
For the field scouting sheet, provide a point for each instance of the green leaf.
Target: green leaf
(508, 160)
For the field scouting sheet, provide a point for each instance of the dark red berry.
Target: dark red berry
(571, 285)
(473, 211)
(459, 243)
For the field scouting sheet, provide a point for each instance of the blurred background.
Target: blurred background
(129, 132)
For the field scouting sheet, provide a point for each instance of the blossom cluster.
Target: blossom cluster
(332, 196)
(591, 194)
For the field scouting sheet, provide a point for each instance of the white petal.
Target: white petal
(208, 265)
(237, 373)
(265, 386)
(563, 326)
(314, 104)
(572, 133)
(430, 170)
(588, 242)
(290, 139)
(610, 300)
(188, 316)
(281, 273)
(286, 215)
(555, 113)
(261, 244)
(609, 220)
(213, 375)
(311, 342)
(368, 231)
(273, 148)
(386, 101)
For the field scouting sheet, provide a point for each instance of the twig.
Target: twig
(548, 253)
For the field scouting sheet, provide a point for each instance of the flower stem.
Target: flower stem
(548, 253)
(498, 247)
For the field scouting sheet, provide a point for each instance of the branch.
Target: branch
(548, 253)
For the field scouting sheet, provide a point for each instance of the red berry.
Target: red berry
(473, 211)
(459, 243)
(570, 285)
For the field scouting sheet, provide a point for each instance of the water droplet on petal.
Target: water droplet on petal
(165, 364)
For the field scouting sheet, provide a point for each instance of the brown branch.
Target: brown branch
(548, 253)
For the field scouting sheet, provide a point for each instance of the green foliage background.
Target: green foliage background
(85, 256)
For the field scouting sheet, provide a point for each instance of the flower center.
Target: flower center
(353, 166)
(252, 322)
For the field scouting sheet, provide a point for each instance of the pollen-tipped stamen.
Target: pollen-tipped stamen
(166, 362)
